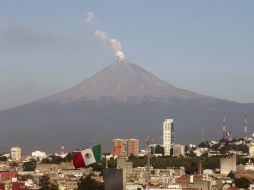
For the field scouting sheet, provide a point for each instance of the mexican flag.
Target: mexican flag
(86, 157)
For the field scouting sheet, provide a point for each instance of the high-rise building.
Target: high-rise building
(178, 150)
(119, 147)
(133, 147)
(125, 147)
(15, 153)
(168, 135)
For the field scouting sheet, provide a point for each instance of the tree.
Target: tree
(88, 183)
(111, 163)
(204, 144)
(242, 182)
(45, 183)
(46, 161)
(53, 159)
(29, 166)
(191, 154)
(68, 157)
(204, 156)
(231, 175)
(212, 162)
(242, 147)
(3, 158)
(97, 167)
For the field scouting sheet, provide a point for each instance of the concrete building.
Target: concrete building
(178, 150)
(126, 166)
(227, 165)
(38, 155)
(113, 179)
(251, 150)
(54, 167)
(249, 166)
(251, 187)
(7, 175)
(197, 182)
(168, 135)
(16, 153)
(119, 147)
(125, 147)
(133, 147)
(134, 187)
(69, 183)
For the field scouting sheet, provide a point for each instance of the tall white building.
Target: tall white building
(168, 135)
(15, 153)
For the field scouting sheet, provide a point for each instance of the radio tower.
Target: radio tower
(224, 131)
(62, 150)
(203, 135)
(148, 165)
(245, 128)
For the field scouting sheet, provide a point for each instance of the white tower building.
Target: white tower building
(168, 135)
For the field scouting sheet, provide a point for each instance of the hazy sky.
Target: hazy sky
(48, 46)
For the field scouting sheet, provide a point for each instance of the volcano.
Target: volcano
(122, 81)
(123, 100)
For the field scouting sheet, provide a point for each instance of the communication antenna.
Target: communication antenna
(245, 128)
(224, 130)
(148, 141)
(203, 134)
(62, 150)
(229, 135)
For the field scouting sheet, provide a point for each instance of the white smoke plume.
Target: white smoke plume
(89, 17)
(114, 44)
(103, 36)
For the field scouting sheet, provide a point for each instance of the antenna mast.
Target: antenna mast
(224, 131)
(245, 128)
(203, 135)
(148, 164)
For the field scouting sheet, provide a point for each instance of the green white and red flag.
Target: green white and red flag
(86, 157)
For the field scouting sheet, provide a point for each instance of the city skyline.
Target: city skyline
(126, 95)
(214, 37)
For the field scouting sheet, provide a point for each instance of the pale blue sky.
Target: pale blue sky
(204, 46)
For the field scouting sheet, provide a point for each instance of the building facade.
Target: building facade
(125, 147)
(133, 147)
(168, 135)
(7, 175)
(39, 155)
(178, 150)
(16, 153)
(251, 150)
(227, 165)
(119, 147)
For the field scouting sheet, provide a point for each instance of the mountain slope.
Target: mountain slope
(121, 81)
(122, 100)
